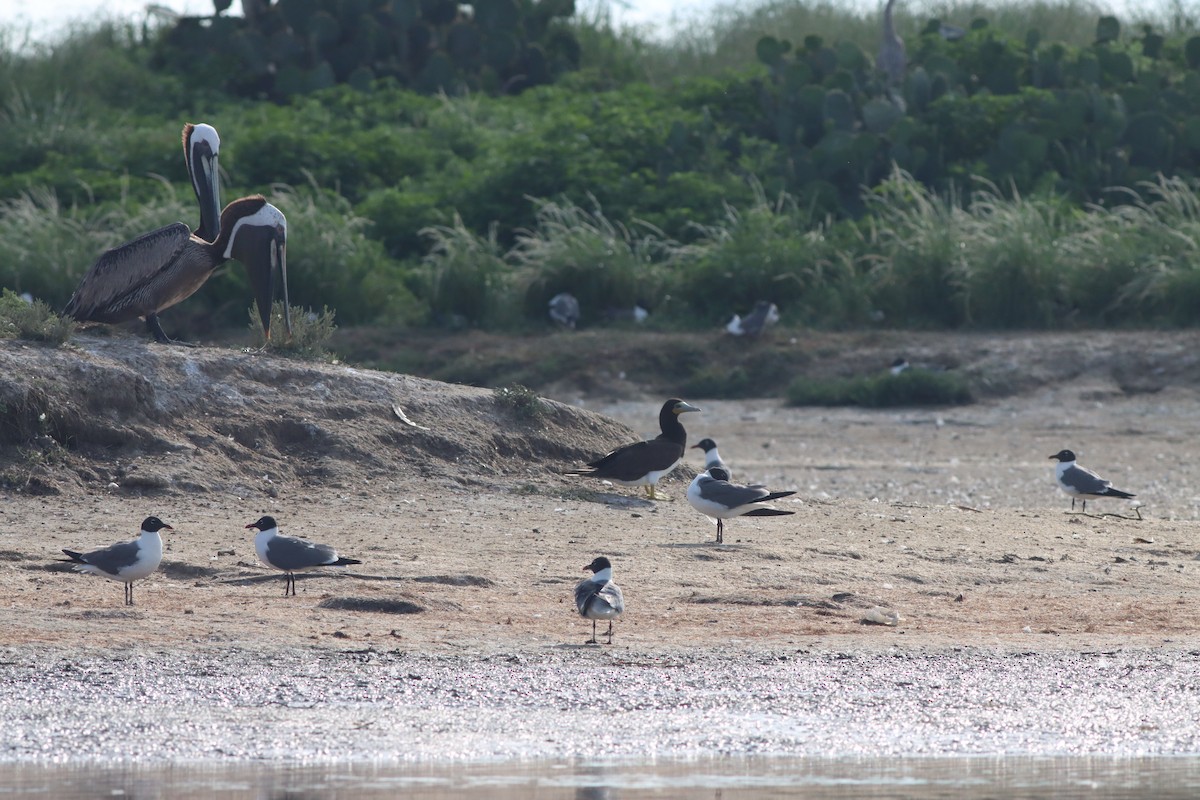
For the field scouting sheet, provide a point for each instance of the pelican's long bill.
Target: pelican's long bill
(259, 241)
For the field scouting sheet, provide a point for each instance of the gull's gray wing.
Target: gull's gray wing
(1084, 481)
(611, 594)
(731, 495)
(289, 553)
(114, 558)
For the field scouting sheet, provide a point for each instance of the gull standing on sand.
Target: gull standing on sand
(1081, 482)
(125, 561)
(291, 554)
(598, 597)
(711, 457)
(644, 463)
(713, 495)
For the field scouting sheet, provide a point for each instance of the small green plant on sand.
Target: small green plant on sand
(32, 320)
(913, 387)
(524, 402)
(311, 332)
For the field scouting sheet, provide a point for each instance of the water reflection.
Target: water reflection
(751, 778)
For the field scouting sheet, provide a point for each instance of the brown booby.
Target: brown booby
(125, 561)
(291, 554)
(598, 597)
(1079, 481)
(713, 495)
(163, 267)
(643, 463)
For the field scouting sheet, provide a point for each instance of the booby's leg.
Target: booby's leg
(160, 336)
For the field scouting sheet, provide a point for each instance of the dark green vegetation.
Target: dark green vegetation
(296, 46)
(1038, 172)
(913, 387)
(31, 320)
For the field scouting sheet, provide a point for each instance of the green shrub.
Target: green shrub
(523, 402)
(912, 387)
(311, 332)
(34, 321)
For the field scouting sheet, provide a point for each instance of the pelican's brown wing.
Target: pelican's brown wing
(121, 285)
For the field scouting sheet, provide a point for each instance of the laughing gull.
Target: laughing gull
(713, 495)
(564, 309)
(1081, 482)
(764, 315)
(290, 554)
(598, 597)
(643, 463)
(711, 457)
(125, 561)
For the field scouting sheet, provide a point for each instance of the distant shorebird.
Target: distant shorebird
(564, 309)
(291, 554)
(644, 463)
(1080, 482)
(712, 458)
(713, 495)
(898, 366)
(892, 59)
(126, 561)
(763, 316)
(598, 597)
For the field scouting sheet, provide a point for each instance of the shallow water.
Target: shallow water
(754, 778)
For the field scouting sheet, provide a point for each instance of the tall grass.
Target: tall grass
(607, 265)
(466, 279)
(772, 249)
(46, 247)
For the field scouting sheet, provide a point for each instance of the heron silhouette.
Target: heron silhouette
(892, 60)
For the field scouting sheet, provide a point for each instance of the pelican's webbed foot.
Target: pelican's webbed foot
(160, 336)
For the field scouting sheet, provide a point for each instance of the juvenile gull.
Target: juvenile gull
(711, 457)
(713, 495)
(564, 309)
(1081, 482)
(125, 561)
(598, 597)
(644, 463)
(291, 554)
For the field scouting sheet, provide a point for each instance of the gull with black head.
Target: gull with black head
(645, 463)
(598, 597)
(1081, 482)
(125, 561)
(712, 494)
(712, 458)
(291, 554)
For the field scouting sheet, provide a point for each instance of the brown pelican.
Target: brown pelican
(163, 267)
(201, 145)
